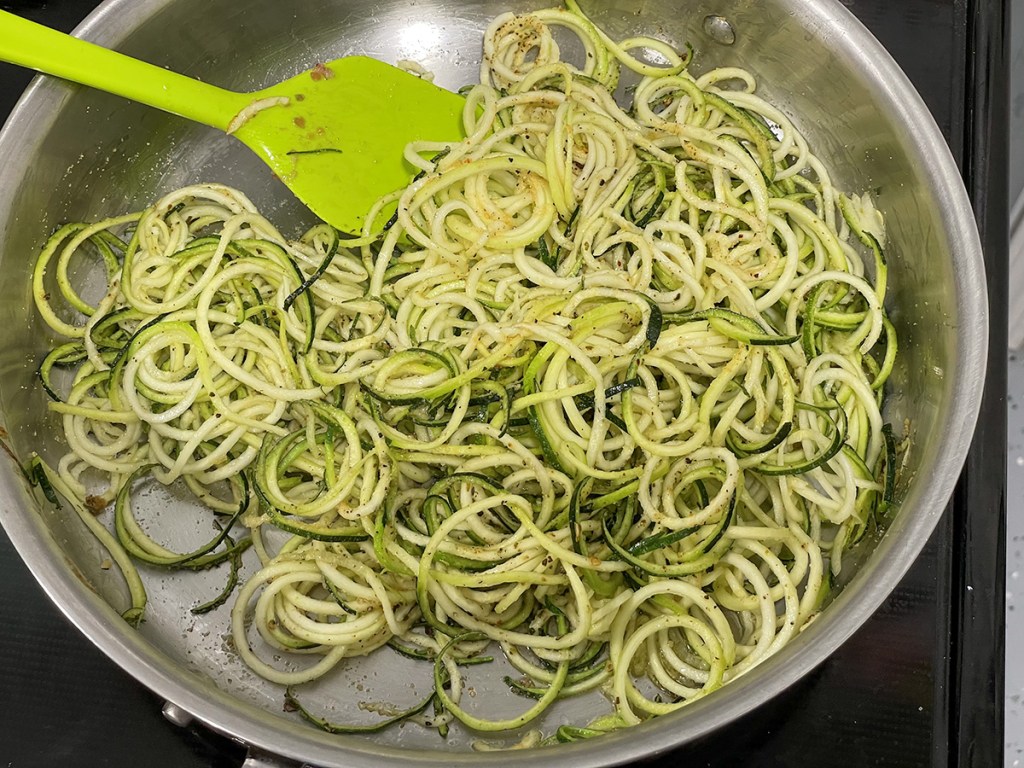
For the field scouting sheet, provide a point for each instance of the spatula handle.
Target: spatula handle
(32, 45)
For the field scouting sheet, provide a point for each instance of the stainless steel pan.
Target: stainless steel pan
(72, 154)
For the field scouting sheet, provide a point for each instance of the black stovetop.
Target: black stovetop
(921, 684)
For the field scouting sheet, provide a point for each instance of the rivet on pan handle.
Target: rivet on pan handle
(175, 714)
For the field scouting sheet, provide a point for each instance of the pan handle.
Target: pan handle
(254, 757)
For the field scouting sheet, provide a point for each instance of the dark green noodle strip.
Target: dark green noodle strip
(229, 587)
(481, 724)
(535, 692)
(312, 531)
(810, 327)
(419, 654)
(579, 492)
(110, 330)
(338, 728)
(605, 587)
(425, 396)
(567, 233)
(592, 657)
(887, 470)
(384, 538)
(443, 488)
(63, 356)
(38, 476)
(743, 448)
(590, 667)
(53, 487)
(534, 414)
(648, 215)
(504, 403)
(735, 326)
(837, 427)
(329, 531)
(698, 559)
(653, 543)
(617, 421)
(133, 343)
(889, 360)
(818, 319)
(753, 132)
(546, 257)
(586, 401)
(277, 458)
(426, 609)
(655, 323)
(338, 598)
(140, 546)
(305, 285)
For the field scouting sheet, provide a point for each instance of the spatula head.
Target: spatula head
(335, 134)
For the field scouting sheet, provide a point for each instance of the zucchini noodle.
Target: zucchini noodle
(604, 395)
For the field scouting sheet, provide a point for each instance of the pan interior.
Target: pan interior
(89, 155)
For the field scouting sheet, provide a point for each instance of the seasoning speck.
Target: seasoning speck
(321, 72)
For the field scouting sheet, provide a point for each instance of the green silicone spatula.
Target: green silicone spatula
(334, 134)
